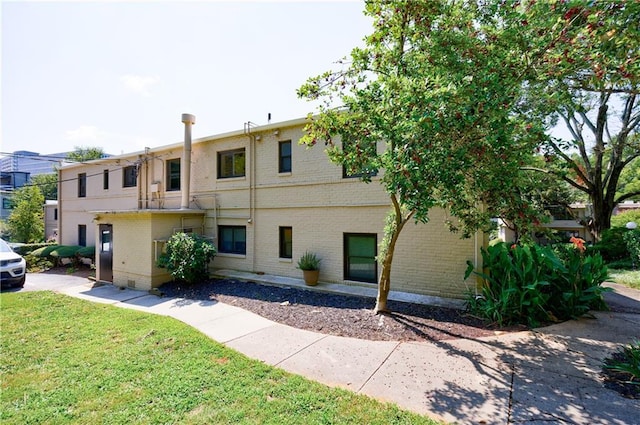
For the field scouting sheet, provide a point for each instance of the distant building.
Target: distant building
(10, 181)
(32, 162)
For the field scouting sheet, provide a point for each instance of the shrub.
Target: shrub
(611, 245)
(532, 285)
(632, 240)
(28, 248)
(187, 257)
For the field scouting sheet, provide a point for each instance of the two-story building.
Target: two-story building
(264, 200)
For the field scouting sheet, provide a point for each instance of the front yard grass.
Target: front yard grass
(66, 361)
(630, 278)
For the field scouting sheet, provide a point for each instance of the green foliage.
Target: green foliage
(621, 220)
(612, 246)
(25, 249)
(309, 261)
(87, 252)
(627, 361)
(532, 285)
(187, 257)
(632, 240)
(26, 222)
(36, 263)
(47, 183)
(85, 153)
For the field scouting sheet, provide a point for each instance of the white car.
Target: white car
(13, 268)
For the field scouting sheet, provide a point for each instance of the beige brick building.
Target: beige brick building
(264, 200)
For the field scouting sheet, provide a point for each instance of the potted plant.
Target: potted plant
(310, 266)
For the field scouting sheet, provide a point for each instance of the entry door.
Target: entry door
(106, 253)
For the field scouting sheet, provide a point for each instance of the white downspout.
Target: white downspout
(185, 169)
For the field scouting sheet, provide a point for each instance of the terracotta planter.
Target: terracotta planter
(311, 277)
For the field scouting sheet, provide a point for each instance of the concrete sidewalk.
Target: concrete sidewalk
(549, 375)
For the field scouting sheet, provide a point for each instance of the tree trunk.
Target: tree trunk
(391, 237)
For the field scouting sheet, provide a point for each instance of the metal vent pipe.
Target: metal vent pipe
(185, 168)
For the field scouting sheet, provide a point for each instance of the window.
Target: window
(129, 176)
(232, 239)
(105, 179)
(55, 213)
(82, 185)
(173, 174)
(82, 235)
(231, 164)
(360, 251)
(284, 157)
(286, 242)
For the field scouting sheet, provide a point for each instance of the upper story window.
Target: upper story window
(105, 179)
(231, 164)
(173, 174)
(284, 156)
(129, 176)
(82, 185)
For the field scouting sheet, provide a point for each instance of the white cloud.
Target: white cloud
(84, 133)
(139, 84)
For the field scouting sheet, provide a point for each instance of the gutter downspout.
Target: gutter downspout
(185, 170)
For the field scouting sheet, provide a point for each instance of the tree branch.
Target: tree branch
(560, 176)
(627, 196)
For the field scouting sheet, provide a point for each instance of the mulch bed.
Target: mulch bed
(342, 315)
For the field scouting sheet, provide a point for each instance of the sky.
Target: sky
(119, 75)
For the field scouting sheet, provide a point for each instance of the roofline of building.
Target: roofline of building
(245, 131)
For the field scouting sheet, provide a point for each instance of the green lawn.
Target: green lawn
(630, 278)
(65, 360)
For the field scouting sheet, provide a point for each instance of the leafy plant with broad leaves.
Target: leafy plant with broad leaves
(532, 285)
(627, 361)
(187, 257)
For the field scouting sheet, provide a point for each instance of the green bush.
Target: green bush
(632, 240)
(611, 245)
(187, 257)
(28, 248)
(532, 285)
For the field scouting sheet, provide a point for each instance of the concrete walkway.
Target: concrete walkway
(549, 375)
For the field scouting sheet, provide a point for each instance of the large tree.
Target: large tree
(26, 222)
(460, 93)
(48, 185)
(437, 84)
(589, 80)
(85, 153)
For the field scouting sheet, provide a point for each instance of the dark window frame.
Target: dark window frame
(285, 243)
(238, 247)
(284, 160)
(173, 179)
(129, 176)
(346, 259)
(82, 234)
(82, 185)
(105, 179)
(231, 153)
